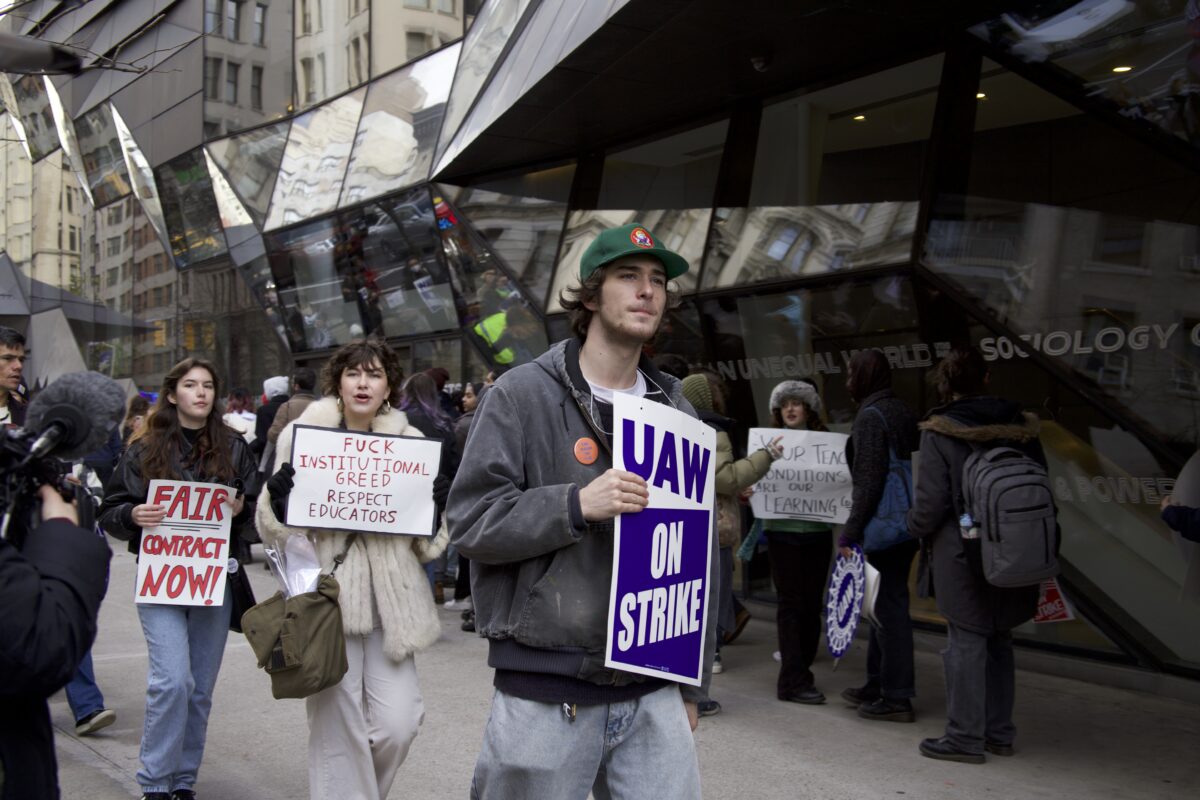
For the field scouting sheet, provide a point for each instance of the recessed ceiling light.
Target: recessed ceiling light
(859, 118)
(980, 96)
(1122, 69)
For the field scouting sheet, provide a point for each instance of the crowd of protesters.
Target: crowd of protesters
(512, 510)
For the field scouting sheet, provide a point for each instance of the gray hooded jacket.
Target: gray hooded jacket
(540, 574)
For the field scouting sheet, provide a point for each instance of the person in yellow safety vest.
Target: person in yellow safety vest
(490, 329)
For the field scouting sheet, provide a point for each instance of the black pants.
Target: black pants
(462, 583)
(890, 651)
(800, 569)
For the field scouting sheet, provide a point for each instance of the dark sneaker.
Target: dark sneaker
(743, 617)
(997, 749)
(95, 721)
(183, 794)
(809, 696)
(468, 624)
(886, 710)
(857, 695)
(945, 750)
(708, 708)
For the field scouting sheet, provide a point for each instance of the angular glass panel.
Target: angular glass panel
(522, 219)
(481, 50)
(835, 182)
(332, 49)
(444, 353)
(16, 212)
(142, 176)
(681, 230)
(314, 163)
(66, 136)
(251, 162)
(37, 119)
(9, 101)
(247, 74)
(399, 128)
(100, 148)
(235, 219)
(1140, 57)
(317, 312)
(403, 31)
(190, 210)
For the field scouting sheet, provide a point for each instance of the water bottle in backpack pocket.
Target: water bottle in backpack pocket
(1007, 495)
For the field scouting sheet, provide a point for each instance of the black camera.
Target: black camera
(22, 473)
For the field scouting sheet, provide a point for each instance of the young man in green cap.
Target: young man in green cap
(533, 507)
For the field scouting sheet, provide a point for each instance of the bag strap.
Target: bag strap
(887, 430)
(340, 557)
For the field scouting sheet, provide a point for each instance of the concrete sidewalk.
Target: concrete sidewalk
(1075, 739)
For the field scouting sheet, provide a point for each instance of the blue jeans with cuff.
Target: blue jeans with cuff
(83, 695)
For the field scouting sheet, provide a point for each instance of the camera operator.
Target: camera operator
(50, 593)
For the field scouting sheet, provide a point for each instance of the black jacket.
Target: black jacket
(262, 422)
(867, 454)
(963, 595)
(50, 594)
(127, 488)
(450, 454)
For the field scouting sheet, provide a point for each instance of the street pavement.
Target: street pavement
(1075, 739)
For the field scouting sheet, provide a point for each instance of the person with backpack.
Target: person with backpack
(885, 429)
(959, 441)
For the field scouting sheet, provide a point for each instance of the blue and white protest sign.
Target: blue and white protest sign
(661, 554)
(843, 606)
(810, 481)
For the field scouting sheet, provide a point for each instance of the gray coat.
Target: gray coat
(954, 563)
(540, 574)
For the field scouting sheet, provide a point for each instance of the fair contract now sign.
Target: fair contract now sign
(367, 482)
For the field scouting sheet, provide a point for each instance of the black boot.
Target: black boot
(945, 750)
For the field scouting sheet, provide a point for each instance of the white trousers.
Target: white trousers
(359, 731)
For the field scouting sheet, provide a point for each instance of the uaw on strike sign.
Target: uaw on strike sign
(183, 560)
(659, 597)
(370, 482)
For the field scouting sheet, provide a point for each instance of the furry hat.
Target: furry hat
(273, 387)
(803, 391)
(697, 392)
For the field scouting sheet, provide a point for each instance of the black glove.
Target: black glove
(280, 486)
(441, 490)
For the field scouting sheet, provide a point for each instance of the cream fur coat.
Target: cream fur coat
(382, 566)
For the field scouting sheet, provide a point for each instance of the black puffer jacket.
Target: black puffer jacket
(954, 564)
(867, 454)
(128, 487)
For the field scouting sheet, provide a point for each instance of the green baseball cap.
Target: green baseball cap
(629, 240)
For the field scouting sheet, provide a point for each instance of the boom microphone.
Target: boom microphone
(74, 415)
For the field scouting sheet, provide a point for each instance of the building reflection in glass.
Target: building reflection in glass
(250, 162)
(103, 159)
(332, 47)
(193, 220)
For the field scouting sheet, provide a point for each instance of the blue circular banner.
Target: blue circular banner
(843, 606)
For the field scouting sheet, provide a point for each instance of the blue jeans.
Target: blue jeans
(83, 695)
(637, 749)
(185, 645)
(980, 688)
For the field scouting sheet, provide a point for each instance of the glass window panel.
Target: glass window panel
(314, 162)
(251, 162)
(399, 127)
(418, 27)
(1138, 57)
(232, 73)
(323, 62)
(444, 353)
(16, 212)
(193, 222)
(676, 172)
(835, 182)
(254, 52)
(103, 158)
(235, 219)
(36, 116)
(142, 176)
(681, 230)
(66, 137)
(522, 219)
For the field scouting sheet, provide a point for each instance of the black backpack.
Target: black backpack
(1007, 493)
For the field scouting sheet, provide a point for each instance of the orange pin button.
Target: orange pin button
(586, 451)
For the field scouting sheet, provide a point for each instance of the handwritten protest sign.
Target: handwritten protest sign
(811, 481)
(183, 560)
(370, 482)
(659, 597)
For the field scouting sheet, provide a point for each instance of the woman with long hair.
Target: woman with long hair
(800, 552)
(181, 439)
(884, 425)
(360, 730)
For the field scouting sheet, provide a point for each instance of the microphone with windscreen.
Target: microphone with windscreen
(74, 415)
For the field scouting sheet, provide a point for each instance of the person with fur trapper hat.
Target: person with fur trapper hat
(979, 617)
(800, 552)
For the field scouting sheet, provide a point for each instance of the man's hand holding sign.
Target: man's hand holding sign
(659, 597)
(184, 552)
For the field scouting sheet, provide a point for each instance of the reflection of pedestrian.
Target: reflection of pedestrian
(980, 673)
(884, 425)
(800, 552)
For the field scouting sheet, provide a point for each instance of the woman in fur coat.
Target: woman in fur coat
(360, 730)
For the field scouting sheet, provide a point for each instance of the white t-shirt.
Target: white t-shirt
(605, 394)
